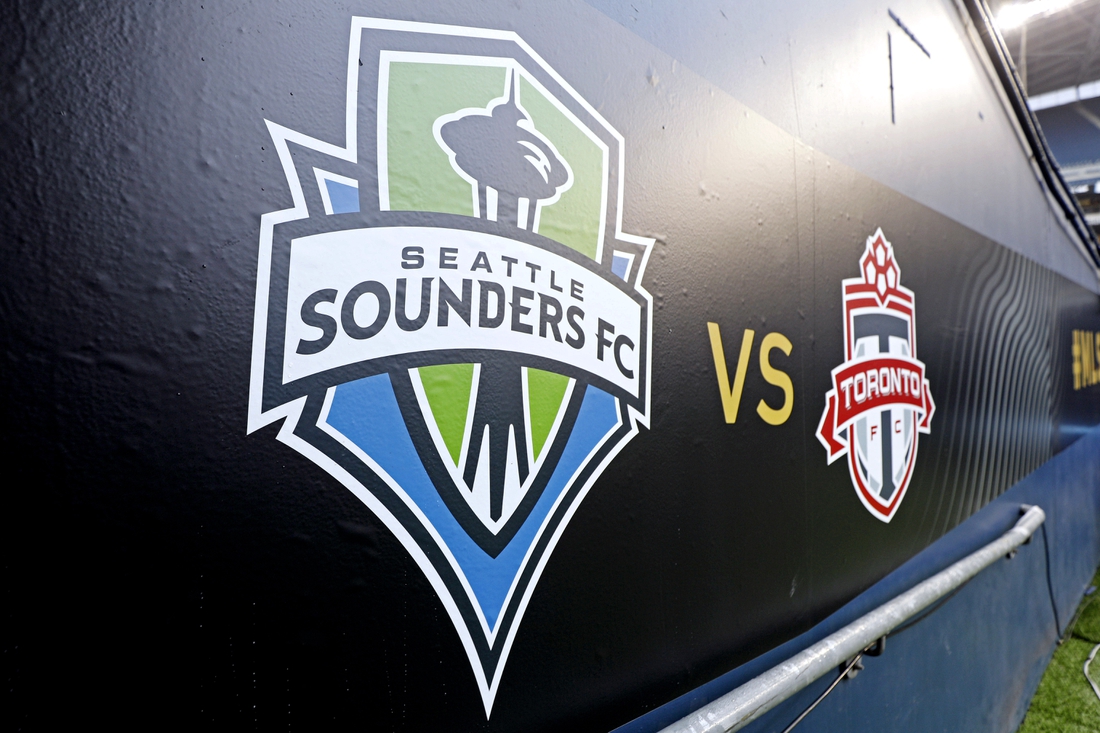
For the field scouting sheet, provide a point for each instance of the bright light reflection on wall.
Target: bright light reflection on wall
(1014, 16)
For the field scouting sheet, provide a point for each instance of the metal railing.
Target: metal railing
(748, 702)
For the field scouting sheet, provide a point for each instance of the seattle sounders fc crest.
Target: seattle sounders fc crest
(449, 319)
(880, 400)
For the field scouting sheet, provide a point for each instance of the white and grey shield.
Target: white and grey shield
(885, 437)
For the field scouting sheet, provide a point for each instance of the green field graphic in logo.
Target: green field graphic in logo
(447, 389)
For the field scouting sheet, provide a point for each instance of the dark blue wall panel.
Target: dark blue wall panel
(974, 662)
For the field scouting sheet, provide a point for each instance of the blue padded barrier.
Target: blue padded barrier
(974, 663)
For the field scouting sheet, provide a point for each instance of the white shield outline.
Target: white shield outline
(290, 412)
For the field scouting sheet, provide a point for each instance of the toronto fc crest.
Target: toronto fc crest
(880, 399)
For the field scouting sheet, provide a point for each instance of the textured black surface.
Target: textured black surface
(161, 568)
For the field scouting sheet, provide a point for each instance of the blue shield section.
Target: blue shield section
(366, 413)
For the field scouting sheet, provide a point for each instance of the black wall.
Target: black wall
(162, 568)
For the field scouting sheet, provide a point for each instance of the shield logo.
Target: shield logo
(880, 399)
(449, 319)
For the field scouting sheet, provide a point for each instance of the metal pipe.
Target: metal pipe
(748, 702)
(1023, 58)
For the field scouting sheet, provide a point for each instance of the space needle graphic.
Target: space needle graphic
(514, 171)
(497, 149)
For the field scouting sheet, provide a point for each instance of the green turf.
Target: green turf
(1064, 702)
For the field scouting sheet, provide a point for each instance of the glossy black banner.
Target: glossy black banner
(176, 550)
